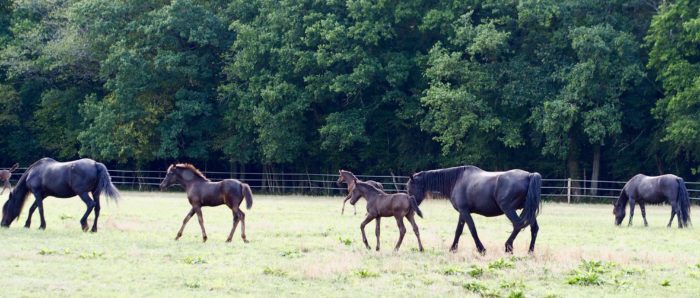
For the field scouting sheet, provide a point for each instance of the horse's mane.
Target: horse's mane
(370, 186)
(21, 188)
(191, 168)
(443, 180)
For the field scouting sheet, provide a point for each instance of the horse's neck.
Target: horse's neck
(20, 190)
(188, 184)
(369, 192)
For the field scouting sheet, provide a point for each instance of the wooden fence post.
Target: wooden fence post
(568, 191)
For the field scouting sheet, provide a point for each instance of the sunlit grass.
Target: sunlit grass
(302, 246)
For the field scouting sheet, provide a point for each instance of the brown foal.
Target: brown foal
(349, 178)
(202, 192)
(5, 177)
(381, 204)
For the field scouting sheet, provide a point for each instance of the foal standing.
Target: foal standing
(202, 192)
(381, 204)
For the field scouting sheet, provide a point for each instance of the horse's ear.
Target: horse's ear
(14, 167)
(411, 176)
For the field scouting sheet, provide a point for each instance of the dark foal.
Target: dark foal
(381, 204)
(349, 178)
(202, 192)
(5, 177)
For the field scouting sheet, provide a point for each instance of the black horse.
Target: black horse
(644, 189)
(473, 190)
(48, 177)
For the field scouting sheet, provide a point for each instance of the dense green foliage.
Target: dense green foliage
(566, 88)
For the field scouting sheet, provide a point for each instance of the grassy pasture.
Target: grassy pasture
(302, 246)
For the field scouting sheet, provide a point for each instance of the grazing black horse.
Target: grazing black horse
(473, 190)
(48, 177)
(644, 189)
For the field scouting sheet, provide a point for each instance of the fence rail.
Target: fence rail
(569, 190)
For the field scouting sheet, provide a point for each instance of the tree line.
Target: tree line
(588, 88)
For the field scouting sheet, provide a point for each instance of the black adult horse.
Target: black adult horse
(48, 177)
(644, 189)
(473, 190)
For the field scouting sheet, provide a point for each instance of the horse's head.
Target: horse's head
(170, 177)
(341, 178)
(619, 212)
(11, 210)
(416, 187)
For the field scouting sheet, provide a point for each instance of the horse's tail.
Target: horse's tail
(533, 199)
(105, 182)
(248, 194)
(683, 202)
(414, 205)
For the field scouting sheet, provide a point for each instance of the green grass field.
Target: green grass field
(302, 246)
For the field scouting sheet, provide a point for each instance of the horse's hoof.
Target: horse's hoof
(228, 240)
(246, 241)
(482, 252)
(453, 249)
(377, 248)
(26, 226)
(421, 249)
(509, 249)
(93, 230)
(204, 239)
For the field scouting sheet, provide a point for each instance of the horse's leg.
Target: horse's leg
(402, 231)
(96, 198)
(534, 228)
(241, 217)
(184, 222)
(198, 210)
(39, 201)
(644, 213)
(29, 216)
(412, 220)
(472, 229)
(632, 202)
(90, 205)
(6, 185)
(673, 213)
(235, 224)
(458, 233)
(376, 231)
(362, 228)
(517, 227)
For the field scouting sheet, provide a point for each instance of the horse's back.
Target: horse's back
(652, 189)
(488, 192)
(63, 179)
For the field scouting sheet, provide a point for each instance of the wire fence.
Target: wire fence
(566, 190)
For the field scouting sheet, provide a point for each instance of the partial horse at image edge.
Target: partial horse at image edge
(48, 177)
(5, 176)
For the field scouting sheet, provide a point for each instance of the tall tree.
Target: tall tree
(674, 39)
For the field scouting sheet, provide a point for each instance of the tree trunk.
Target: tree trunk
(659, 164)
(595, 174)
